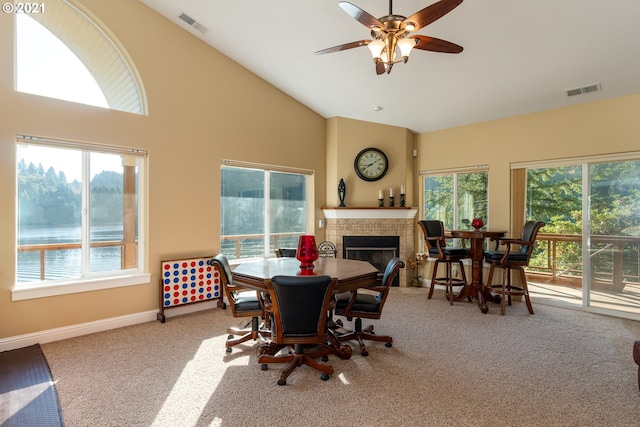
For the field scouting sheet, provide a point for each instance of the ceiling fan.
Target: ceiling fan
(392, 31)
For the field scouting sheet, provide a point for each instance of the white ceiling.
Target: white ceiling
(520, 56)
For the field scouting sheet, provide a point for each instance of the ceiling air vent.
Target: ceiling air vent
(585, 89)
(189, 20)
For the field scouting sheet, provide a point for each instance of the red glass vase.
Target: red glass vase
(477, 223)
(307, 252)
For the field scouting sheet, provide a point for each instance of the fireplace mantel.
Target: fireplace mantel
(370, 213)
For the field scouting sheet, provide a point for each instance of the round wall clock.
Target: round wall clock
(371, 164)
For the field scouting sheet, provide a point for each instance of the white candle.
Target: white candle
(391, 192)
(402, 189)
(380, 195)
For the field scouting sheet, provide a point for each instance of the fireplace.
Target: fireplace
(373, 223)
(377, 250)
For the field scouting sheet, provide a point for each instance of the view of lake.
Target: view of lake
(65, 263)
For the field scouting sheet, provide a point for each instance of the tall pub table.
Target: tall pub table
(476, 288)
(351, 275)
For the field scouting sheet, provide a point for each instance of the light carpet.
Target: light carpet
(449, 366)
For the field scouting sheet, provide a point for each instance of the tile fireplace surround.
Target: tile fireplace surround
(340, 222)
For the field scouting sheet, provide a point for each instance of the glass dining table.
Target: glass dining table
(476, 289)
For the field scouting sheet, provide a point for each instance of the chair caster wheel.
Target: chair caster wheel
(364, 353)
(230, 337)
(324, 377)
(282, 382)
(325, 358)
(228, 350)
(388, 344)
(264, 367)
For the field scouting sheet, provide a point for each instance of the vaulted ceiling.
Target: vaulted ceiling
(520, 56)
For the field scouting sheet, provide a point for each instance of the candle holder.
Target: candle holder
(402, 202)
(380, 203)
(391, 202)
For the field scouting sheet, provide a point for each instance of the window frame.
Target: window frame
(96, 280)
(268, 170)
(454, 172)
(98, 50)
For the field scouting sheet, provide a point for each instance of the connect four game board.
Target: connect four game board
(188, 281)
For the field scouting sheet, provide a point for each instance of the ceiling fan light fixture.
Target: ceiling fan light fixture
(405, 46)
(389, 42)
(376, 47)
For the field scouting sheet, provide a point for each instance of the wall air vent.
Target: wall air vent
(585, 89)
(195, 24)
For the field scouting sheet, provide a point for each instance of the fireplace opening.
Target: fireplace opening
(377, 250)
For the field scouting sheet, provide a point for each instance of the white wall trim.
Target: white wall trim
(53, 288)
(373, 213)
(80, 329)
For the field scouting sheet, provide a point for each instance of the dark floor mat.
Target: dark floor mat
(28, 396)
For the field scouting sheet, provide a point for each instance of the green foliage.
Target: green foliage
(554, 195)
(47, 199)
(471, 191)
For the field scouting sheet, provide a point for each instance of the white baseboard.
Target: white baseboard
(80, 329)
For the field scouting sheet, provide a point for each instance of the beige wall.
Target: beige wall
(202, 108)
(345, 139)
(610, 126)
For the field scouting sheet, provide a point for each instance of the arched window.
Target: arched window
(63, 54)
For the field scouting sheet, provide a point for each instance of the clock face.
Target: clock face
(371, 164)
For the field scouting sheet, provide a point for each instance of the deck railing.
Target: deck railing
(244, 245)
(47, 247)
(247, 244)
(615, 259)
(561, 261)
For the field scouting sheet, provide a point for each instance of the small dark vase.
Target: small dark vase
(307, 252)
(342, 192)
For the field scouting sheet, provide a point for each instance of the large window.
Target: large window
(455, 198)
(263, 209)
(79, 212)
(62, 53)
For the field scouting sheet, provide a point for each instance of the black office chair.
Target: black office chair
(437, 248)
(244, 303)
(369, 306)
(513, 259)
(298, 309)
(286, 252)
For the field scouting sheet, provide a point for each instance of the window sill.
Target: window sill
(76, 286)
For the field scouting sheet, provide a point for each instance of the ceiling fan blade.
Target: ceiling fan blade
(343, 47)
(436, 45)
(432, 13)
(380, 68)
(360, 15)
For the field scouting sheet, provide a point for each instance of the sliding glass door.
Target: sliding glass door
(614, 236)
(588, 253)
